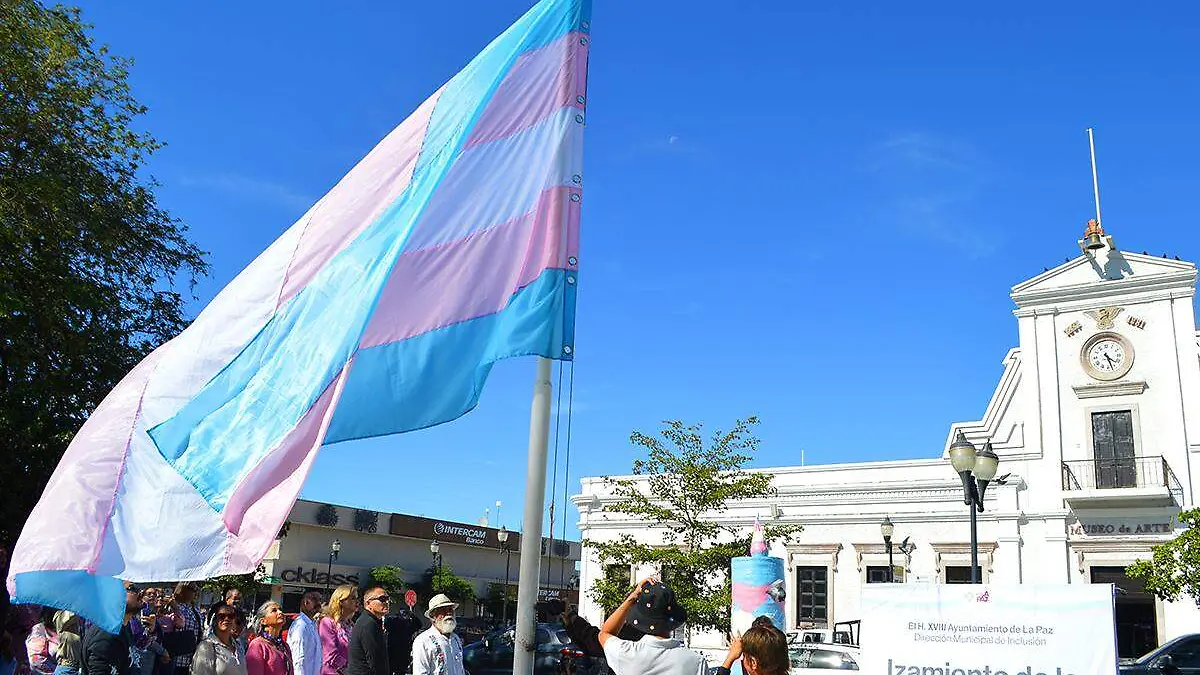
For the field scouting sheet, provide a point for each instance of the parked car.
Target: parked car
(494, 653)
(1180, 656)
(842, 633)
(811, 659)
(818, 659)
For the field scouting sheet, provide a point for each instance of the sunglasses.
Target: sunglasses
(381, 598)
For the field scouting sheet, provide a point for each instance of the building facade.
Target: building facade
(302, 559)
(1096, 419)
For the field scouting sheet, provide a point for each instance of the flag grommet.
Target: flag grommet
(577, 179)
(570, 280)
(574, 196)
(583, 41)
(584, 25)
(579, 118)
(579, 99)
(572, 260)
(567, 349)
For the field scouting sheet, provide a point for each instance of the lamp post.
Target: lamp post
(434, 547)
(976, 469)
(888, 529)
(503, 537)
(334, 549)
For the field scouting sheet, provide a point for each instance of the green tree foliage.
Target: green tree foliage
(1174, 567)
(391, 578)
(248, 583)
(88, 260)
(495, 600)
(688, 483)
(444, 580)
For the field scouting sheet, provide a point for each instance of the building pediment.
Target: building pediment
(1104, 274)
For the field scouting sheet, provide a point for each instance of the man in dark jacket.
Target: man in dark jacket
(368, 644)
(401, 630)
(105, 653)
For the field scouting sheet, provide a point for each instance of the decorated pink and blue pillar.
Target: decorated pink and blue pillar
(758, 586)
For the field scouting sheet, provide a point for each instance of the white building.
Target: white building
(1097, 418)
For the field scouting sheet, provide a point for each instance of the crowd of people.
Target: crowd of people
(165, 633)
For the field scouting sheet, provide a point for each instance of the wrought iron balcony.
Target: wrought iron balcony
(1144, 480)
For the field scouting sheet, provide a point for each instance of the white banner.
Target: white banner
(926, 629)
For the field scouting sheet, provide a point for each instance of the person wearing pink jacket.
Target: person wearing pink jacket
(335, 627)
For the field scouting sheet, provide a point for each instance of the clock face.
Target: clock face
(1107, 356)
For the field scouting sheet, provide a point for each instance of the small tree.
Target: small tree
(444, 580)
(247, 583)
(495, 600)
(1174, 567)
(391, 578)
(688, 484)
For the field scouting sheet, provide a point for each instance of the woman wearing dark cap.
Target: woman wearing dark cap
(651, 609)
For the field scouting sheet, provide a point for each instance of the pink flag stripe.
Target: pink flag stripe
(461, 280)
(283, 460)
(359, 198)
(485, 187)
(266, 494)
(540, 82)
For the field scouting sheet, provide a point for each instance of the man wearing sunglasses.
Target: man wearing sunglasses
(105, 653)
(368, 644)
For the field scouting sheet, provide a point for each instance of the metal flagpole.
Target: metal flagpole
(1095, 179)
(531, 529)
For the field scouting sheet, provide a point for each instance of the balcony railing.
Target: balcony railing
(1128, 472)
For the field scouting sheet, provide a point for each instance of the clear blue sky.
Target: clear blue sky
(811, 212)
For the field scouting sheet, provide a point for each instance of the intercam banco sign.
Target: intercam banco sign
(927, 629)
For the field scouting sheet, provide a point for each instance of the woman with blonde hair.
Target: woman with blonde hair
(337, 621)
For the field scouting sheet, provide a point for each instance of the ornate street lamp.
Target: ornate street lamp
(434, 547)
(503, 537)
(887, 529)
(334, 549)
(976, 469)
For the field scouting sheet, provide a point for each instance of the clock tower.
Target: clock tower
(1111, 378)
(1097, 416)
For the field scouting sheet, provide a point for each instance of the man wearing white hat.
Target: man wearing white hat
(438, 651)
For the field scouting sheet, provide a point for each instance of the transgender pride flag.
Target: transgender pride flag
(453, 244)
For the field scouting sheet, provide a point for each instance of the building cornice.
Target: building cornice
(1158, 274)
(1109, 389)
(943, 550)
(793, 470)
(1103, 296)
(779, 507)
